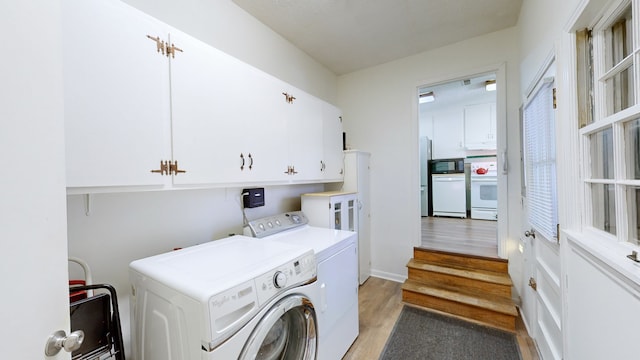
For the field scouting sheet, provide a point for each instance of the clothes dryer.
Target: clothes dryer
(235, 298)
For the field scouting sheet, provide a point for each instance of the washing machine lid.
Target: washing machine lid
(210, 268)
(323, 241)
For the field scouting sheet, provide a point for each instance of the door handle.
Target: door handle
(530, 233)
(60, 340)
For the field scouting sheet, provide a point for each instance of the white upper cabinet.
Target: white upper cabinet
(116, 91)
(221, 127)
(448, 139)
(149, 106)
(303, 114)
(480, 126)
(333, 158)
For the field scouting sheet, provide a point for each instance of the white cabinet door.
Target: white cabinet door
(479, 126)
(304, 135)
(209, 112)
(116, 91)
(333, 159)
(267, 137)
(448, 136)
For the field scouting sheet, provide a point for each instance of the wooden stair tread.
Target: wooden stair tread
(445, 258)
(462, 271)
(442, 290)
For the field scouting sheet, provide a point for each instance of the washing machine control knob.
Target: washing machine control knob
(279, 279)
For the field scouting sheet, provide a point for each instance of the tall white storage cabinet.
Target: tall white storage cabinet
(356, 180)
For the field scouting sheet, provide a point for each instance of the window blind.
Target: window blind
(540, 158)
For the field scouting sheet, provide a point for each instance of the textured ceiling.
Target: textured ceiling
(349, 35)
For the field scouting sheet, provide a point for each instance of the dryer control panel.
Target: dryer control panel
(274, 224)
(294, 273)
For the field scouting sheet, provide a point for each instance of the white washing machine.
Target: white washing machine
(235, 298)
(337, 257)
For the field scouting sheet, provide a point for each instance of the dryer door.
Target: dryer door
(287, 331)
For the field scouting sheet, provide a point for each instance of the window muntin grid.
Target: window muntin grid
(611, 144)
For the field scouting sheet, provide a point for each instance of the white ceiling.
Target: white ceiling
(349, 35)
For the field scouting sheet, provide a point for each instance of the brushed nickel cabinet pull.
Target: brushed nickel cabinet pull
(242, 158)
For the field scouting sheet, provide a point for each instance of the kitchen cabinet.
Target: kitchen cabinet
(331, 209)
(116, 94)
(147, 106)
(333, 158)
(448, 135)
(303, 114)
(356, 180)
(223, 129)
(480, 126)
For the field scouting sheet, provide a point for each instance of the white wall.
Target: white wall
(128, 226)
(380, 116)
(225, 26)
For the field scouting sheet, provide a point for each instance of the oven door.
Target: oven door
(484, 192)
(287, 331)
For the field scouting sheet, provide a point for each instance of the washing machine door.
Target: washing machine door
(288, 331)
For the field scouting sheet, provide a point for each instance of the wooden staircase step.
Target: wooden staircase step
(487, 301)
(493, 277)
(461, 261)
(488, 309)
(476, 280)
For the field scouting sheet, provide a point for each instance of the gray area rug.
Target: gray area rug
(424, 335)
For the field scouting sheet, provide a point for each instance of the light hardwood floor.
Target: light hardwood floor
(467, 236)
(380, 303)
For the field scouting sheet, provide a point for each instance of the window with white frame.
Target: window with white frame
(540, 159)
(610, 132)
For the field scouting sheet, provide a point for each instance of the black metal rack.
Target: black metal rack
(98, 316)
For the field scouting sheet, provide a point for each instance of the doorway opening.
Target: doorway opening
(457, 122)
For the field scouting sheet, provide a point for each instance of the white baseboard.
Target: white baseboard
(388, 276)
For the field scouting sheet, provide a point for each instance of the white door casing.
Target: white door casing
(35, 301)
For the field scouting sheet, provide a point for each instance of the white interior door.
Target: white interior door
(35, 300)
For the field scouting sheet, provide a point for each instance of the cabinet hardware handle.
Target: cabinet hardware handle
(291, 170)
(173, 168)
(533, 284)
(250, 161)
(171, 50)
(288, 98)
(164, 168)
(160, 46)
(242, 166)
(322, 165)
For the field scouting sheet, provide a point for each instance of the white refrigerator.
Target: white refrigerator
(425, 156)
